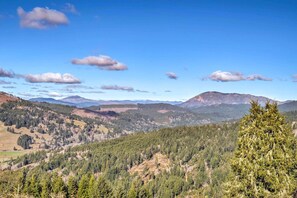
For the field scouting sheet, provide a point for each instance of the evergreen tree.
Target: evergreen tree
(132, 192)
(92, 188)
(34, 188)
(45, 187)
(103, 188)
(265, 160)
(120, 191)
(83, 187)
(59, 187)
(72, 187)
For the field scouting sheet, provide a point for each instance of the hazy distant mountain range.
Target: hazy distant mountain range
(79, 101)
(201, 100)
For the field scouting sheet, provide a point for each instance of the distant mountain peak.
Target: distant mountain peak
(215, 98)
(76, 99)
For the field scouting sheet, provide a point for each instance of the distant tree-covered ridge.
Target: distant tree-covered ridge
(265, 161)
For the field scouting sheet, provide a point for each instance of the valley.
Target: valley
(53, 126)
(164, 149)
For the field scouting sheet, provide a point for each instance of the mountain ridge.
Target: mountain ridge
(79, 101)
(216, 98)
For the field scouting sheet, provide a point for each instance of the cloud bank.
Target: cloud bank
(102, 62)
(41, 18)
(221, 76)
(52, 78)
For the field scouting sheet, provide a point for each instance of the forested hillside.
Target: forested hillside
(165, 163)
(48, 125)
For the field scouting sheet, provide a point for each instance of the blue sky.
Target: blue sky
(160, 50)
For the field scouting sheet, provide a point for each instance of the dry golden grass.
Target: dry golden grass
(118, 109)
(8, 142)
(78, 123)
(154, 166)
(103, 129)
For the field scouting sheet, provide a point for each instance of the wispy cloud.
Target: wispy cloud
(79, 87)
(116, 87)
(102, 62)
(52, 78)
(258, 77)
(3, 82)
(295, 78)
(171, 75)
(92, 92)
(28, 95)
(70, 8)
(222, 76)
(6, 74)
(9, 87)
(142, 91)
(42, 91)
(41, 18)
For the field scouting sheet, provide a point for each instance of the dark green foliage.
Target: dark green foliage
(46, 187)
(83, 187)
(59, 186)
(265, 160)
(72, 187)
(103, 188)
(25, 141)
(222, 112)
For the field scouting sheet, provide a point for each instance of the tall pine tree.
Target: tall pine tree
(265, 161)
(83, 187)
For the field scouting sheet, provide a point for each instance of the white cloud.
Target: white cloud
(171, 75)
(54, 94)
(102, 62)
(116, 87)
(221, 76)
(52, 78)
(295, 78)
(41, 18)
